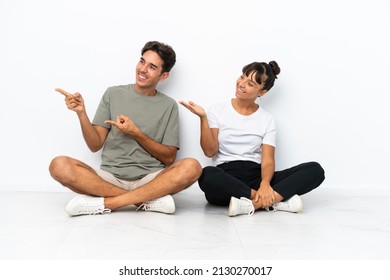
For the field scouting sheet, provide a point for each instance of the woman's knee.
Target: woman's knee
(206, 174)
(317, 173)
(210, 178)
(318, 170)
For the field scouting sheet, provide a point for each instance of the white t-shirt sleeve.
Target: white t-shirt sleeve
(212, 116)
(270, 134)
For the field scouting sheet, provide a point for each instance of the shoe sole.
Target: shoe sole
(169, 210)
(232, 205)
(173, 208)
(71, 204)
(299, 205)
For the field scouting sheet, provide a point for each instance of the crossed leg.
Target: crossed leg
(83, 179)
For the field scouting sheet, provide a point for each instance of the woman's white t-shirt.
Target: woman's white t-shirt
(241, 137)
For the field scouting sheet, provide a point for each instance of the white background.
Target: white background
(330, 100)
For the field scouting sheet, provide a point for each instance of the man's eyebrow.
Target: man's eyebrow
(153, 65)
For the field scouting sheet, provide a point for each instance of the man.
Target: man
(138, 128)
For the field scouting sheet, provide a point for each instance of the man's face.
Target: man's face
(149, 70)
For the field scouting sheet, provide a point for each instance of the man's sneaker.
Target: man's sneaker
(164, 204)
(86, 205)
(293, 204)
(240, 206)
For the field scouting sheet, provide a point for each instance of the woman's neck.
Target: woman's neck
(243, 107)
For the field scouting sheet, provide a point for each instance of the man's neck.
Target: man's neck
(148, 91)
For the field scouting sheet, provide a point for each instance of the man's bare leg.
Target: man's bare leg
(171, 180)
(81, 178)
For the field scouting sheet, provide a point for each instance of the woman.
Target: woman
(240, 137)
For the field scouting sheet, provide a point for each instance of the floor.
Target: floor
(335, 225)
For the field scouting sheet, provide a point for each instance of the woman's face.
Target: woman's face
(247, 88)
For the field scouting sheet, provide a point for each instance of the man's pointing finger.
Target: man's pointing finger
(62, 91)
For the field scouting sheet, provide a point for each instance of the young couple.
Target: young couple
(137, 127)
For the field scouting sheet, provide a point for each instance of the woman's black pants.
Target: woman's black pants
(237, 178)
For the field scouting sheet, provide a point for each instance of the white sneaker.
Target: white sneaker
(293, 204)
(240, 206)
(164, 204)
(86, 205)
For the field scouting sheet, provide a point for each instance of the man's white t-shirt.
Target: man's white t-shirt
(241, 137)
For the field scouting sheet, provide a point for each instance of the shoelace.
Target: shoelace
(92, 210)
(148, 206)
(104, 211)
(252, 210)
(142, 207)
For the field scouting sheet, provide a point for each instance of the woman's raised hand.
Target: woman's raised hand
(194, 108)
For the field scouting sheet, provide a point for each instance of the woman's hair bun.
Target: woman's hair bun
(275, 67)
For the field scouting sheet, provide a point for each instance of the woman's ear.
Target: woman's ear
(262, 92)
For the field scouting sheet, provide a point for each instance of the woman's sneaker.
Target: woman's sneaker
(164, 204)
(242, 206)
(86, 205)
(293, 204)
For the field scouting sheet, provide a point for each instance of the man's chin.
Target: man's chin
(141, 83)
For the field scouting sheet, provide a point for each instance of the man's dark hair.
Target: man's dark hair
(165, 51)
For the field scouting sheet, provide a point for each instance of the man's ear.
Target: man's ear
(164, 76)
